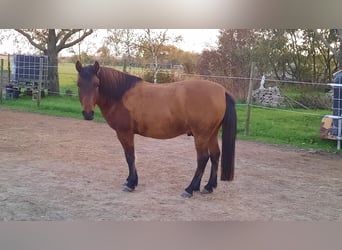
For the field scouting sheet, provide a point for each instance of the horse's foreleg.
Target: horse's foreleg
(127, 142)
(132, 179)
(202, 159)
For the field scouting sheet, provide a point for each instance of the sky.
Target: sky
(194, 40)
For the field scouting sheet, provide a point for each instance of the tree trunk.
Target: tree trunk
(314, 67)
(52, 54)
(124, 65)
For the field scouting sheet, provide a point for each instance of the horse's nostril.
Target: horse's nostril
(88, 115)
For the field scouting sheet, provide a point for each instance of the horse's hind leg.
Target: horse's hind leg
(202, 159)
(214, 154)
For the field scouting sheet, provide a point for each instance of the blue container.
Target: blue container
(337, 96)
(337, 100)
(26, 68)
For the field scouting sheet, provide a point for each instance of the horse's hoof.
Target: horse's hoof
(185, 194)
(205, 191)
(127, 189)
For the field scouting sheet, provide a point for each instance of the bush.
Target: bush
(313, 101)
(162, 76)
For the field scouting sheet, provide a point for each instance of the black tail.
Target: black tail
(228, 140)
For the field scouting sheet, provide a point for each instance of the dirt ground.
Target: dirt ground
(67, 169)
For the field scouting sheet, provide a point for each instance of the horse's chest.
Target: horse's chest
(119, 118)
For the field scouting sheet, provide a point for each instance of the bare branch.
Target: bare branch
(64, 35)
(123, 41)
(63, 44)
(29, 36)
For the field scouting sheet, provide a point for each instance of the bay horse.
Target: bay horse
(132, 106)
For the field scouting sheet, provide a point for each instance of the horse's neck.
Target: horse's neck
(105, 106)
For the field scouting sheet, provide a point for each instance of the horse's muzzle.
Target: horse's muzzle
(88, 115)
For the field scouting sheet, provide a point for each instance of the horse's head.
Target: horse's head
(88, 88)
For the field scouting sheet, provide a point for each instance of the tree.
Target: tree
(311, 54)
(233, 55)
(339, 56)
(299, 54)
(124, 43)
(321, 61)
(331, 38)
(151, 44)
(84, 57)
(104, 55)
(268, 52)
(210, 63)
(272, 48)
(328, 38)
(175, 56)
(51, 42)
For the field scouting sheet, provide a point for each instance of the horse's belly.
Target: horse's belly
(157, 135)
(162, 130)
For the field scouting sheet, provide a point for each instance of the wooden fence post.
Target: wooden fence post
(249, 98)
(9, 67)
(39, 94)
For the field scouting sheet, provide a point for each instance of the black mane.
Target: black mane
(114, 84)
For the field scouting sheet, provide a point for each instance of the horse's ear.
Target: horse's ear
(78, 66)
(96, 67)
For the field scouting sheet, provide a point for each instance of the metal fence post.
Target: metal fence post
(249, 98)
(339, 134)
(1, 78)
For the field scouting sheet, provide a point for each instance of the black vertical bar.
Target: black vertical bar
(1, 74)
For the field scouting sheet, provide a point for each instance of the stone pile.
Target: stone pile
(270, 96)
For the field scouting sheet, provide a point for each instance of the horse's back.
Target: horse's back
(172, 109)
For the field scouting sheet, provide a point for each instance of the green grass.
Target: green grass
(67, 77)
(63, 106)
(297, 128)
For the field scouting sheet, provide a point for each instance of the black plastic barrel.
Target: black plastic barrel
(12, 92)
